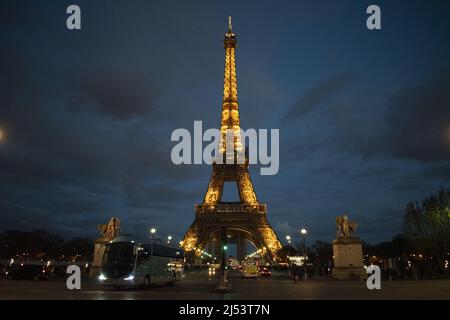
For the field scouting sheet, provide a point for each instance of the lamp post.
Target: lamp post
(223, 285)
(303, 232)
(288, 238)
(152, 232)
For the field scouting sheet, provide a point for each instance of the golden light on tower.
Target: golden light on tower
(247, 214)
(230, 109)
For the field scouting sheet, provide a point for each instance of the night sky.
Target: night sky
(86, 116)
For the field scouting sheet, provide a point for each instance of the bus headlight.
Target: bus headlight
(102, 277)
(129, 278)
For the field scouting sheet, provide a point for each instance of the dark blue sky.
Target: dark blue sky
(86, 116)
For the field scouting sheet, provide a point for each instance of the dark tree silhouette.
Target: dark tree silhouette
(428, 224)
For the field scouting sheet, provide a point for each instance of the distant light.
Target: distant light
(169, 238)
(153, 230)
(102, 277)
(303, 231)
(288, 238)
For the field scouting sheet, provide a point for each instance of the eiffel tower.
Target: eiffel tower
(241, 221)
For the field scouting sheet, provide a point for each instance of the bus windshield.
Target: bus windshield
(119, 254)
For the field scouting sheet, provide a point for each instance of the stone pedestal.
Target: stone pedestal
(99, 251)
(348, 259)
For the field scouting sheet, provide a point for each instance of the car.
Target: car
(265, 272)
(28, 272)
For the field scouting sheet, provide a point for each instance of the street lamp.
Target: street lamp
(303, 232)
(168, 239)
(288, 238)
(152, 232)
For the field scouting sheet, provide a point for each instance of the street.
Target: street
(198, 286)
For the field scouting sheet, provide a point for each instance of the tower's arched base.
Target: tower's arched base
(239, 222)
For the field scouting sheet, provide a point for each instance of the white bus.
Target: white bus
(131, 261)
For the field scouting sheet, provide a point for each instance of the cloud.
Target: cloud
(119, 94)
(439, 171)
(418, 121)
(412, 123)
(284, 228)
(62, 167)
(317, 95)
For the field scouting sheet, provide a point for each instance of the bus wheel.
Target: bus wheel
(147, 281)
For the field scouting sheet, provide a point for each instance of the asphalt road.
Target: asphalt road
(199, 286)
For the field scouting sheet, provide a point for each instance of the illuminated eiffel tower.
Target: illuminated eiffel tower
(241, 221)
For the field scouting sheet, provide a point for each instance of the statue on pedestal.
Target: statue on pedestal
(347, 251)
(108, 231)
(345, 227)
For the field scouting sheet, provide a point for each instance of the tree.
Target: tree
(81, 247)
(323, 252)
(428, 224)
(39, 244)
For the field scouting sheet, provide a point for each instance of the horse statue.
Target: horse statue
(109, 230)
(345, 227)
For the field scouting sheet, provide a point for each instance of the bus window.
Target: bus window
(143, 254)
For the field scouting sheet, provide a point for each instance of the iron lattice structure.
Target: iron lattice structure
(246, 219)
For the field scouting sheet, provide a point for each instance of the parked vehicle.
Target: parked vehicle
(24, 271)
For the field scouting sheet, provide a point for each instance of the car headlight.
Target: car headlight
(129, 278)
(102, 277)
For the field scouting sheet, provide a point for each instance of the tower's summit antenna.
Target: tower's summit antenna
(229, 25)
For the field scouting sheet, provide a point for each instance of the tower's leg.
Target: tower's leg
(217, 249)
(210, 248)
